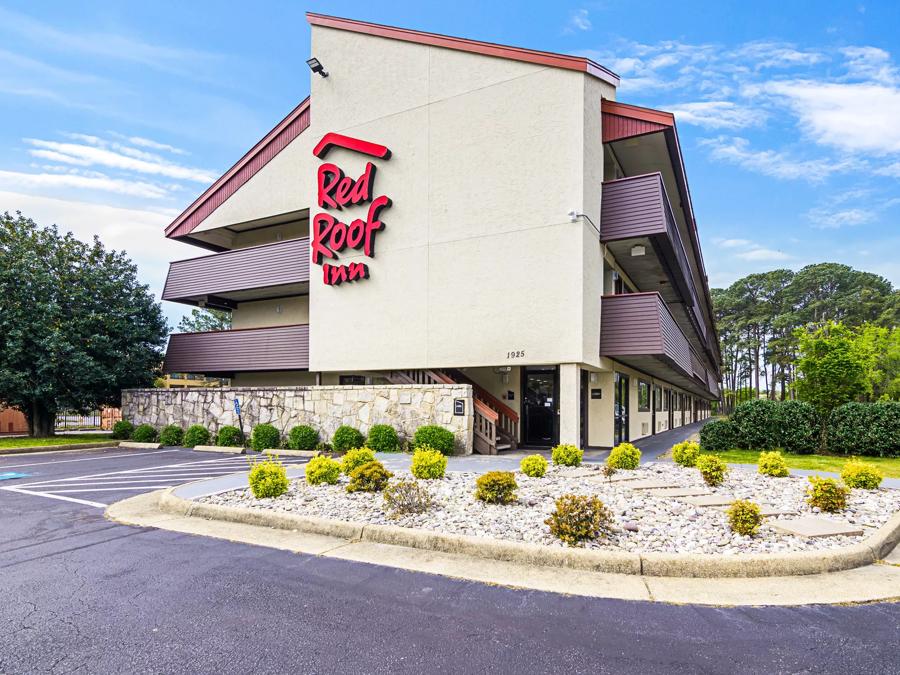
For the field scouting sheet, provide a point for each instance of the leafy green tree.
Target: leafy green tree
(205, 320)
(833, 367)
(76, 327)
(882, 348)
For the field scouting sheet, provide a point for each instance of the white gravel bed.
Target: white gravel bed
(643, 522)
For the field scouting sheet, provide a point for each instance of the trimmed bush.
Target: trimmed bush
(122, 430)
(346, 438)
(354, 458)
(624, 456)
(871, 429)
(428, 463)
(685, 453)
(744, 517)
(405, 497)
(567, 455)
(369, 477)
(322, 470)
(171, 435)
(861, 475)
(265, 436)
(323, 448)
(712, 468)
(302, 437)
(229, 436)
(578, 518)
(717, 436)
(755, 425)
(383, 438)
(144, 433)
(772, 464)
(268, 479)
(197, 434)
(826, 494)
(435, 437)
(496, 487)
(534, 466)
(799, 427)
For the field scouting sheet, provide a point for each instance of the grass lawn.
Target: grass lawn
(890, 466)
(68, 439)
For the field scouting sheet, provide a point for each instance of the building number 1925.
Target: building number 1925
(518, 354)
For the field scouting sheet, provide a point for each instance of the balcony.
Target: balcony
(221, 280)
(233, 351)
(639, 330)
(637, 212)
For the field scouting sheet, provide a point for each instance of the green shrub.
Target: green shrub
(870, 429)
(624, 456)
(857, 474)
(772, 464)
(356, 457)
(755, 425)
(322, 470)
(265, 436)
(268, 479)
(197, 434)
(428, 463)
(229, 437)
(302, 437)
(826, 494)
(346, 438)
(171, 435)
(799, 427)
(405, 497)
(534, 466)
(122, 430)
(567, 455)
(324, 448)
(685, 453)
(717, 436)
(383, 438)
(144, 433)
(578, 518)
(744, 517)
(369, 477)
(712, 468)
(435, 437)
(496, 487)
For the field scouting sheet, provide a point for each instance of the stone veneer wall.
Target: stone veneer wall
(404, 406)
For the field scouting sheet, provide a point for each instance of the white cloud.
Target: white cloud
(824, 218)
(17, 179)
(717, 114)
(148, 143)
(578, 21)
(736, 150)
(758, 254)
(765, 54)
(870, 63)
(734, 243)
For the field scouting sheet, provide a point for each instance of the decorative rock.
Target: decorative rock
(630, 526)
(709, 500)
(647, 484)
(679, 492)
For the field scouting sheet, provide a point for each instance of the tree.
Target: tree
(205, 320)
(76, 327)
(833, 367)
(882, 349)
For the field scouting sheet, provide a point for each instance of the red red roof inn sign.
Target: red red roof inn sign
(330, 236)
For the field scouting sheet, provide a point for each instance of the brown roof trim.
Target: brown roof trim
(551, 59)
(257, 157)
(637, 112)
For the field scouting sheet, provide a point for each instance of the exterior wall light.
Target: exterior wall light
(316, 66)
(638, 249)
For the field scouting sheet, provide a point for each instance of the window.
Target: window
(657, 398)
(352, 379)
(667, 394)
(643, 396)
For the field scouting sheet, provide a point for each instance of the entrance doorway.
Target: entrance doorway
(621, 409)
(540, 406)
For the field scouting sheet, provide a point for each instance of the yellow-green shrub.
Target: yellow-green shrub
(534, 466)
(369, 477)
(322, 469)
(712, 468)
(356, 457)
(428, 463)
(826, 494)
(566, 455)
(404, 497)
(496, 487)
(624, 456)
(685, 453)
(268, 479)
(862, 475)
(744, 517)
(772, 464)
(579, 518)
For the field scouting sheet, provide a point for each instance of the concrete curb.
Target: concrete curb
(56, 448)
(134, 445)
(874, 548)
(227, 449)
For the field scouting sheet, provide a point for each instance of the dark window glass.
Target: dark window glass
(643, 396)
(352, 379)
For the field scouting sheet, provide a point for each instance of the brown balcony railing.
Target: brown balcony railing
(242, 350)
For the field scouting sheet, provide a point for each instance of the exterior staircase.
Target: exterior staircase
(496, 424)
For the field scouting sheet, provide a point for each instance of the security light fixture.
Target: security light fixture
(638, 249)
(316, 66)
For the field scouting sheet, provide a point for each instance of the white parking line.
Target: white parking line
(86, 459)
(60, 497)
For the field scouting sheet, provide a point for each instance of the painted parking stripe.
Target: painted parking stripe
(59, 497)
(111, 489)
(54, 462)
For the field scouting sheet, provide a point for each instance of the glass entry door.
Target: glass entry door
(540, 406)
(621, 409)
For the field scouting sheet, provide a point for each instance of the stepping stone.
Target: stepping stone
(709, 500)
(647, 484)
(581, 473)
(680, 492)
(618, 477)
(768, 510)
(811, 526)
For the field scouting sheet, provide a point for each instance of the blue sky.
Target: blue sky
(116, 115)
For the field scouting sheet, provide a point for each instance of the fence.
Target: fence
(98, 419)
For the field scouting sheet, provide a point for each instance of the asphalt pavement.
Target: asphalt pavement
(82, 594)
